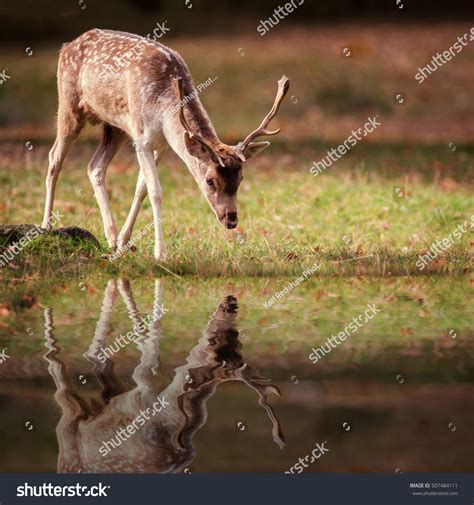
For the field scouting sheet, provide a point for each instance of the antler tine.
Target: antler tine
(283, 87)
(178, 88)
(263, 392)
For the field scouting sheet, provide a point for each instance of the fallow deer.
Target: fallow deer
(87, 431)
(134, 102)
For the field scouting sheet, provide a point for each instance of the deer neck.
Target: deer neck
(198, 120)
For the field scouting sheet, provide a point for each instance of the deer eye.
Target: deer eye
(210, 182)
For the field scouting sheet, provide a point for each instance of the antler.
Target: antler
(178, 88)
(283, 87)
(263, 391)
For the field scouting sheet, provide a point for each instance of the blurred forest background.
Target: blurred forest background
(388, 41)
(58, 19)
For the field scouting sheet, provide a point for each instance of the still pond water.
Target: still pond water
(89, 359)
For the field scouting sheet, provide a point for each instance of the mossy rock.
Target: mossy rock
(12, 234)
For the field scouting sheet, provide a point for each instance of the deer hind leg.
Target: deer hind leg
(112, 139)
(70, 125)
(66, 396)
(140, 194)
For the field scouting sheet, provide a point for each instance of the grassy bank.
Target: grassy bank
(356, 218)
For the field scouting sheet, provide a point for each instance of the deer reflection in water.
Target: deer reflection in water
(164, 443)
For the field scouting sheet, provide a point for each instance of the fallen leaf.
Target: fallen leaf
(4, 310)
(320, 293)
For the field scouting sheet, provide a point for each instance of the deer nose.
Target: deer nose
(231, 220)
(230, 304)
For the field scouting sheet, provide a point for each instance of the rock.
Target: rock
(77, 233)
(12, 233)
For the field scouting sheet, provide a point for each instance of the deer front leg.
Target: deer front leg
(103, 324)
(140, 194)
(150, 174)
(103, 366)
(148, 331)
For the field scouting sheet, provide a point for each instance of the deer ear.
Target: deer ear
(194, 147)
(253, 148)
(199, 150)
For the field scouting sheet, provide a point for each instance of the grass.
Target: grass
(350, 211)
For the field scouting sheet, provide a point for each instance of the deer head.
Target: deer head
(219, 166)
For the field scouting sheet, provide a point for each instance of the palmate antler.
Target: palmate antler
(178, 88)
(283, 87)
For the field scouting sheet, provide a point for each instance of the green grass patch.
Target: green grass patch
(354, 219)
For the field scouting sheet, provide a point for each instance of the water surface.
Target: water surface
(241, 392)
